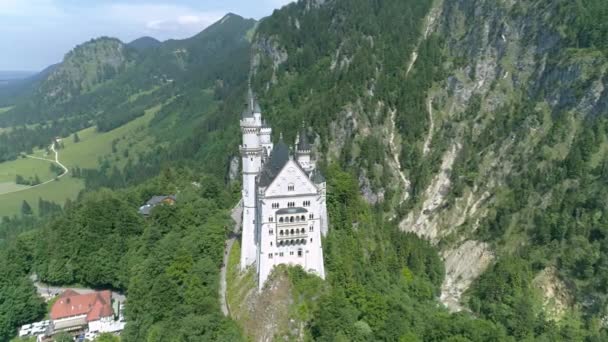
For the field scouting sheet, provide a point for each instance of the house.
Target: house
(154, 201)
(73, 311)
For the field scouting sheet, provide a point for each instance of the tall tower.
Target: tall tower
(251, 153)
(303, 151)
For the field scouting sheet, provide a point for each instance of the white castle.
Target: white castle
(284, 209)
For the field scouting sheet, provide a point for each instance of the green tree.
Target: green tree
(26, 209)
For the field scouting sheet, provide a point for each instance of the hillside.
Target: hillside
(103, 86)
(465, 147)
(476, 125)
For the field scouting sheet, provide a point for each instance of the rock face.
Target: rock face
(507, 77)
(463, 265)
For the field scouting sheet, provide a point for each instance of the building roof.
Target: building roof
(156, 200)
(303, 144)
(247, 112)
(94, 305)
(291, 211)
(278, 158)
(317, 177)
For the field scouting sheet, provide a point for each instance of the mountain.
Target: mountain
(478, 125)
(465, 147)
(144, 43)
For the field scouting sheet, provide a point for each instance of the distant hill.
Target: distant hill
(6, 76)
(144, 43)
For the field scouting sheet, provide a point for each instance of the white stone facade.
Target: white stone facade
(284, 202)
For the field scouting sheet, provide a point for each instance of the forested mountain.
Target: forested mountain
(465, 146)
(144, 43)
(106, 83)
(478, 125)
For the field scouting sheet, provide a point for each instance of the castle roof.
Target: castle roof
(247, 112)
(278, 158)
(303, 144)
(317, 177)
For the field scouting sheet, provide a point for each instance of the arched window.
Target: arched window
(297, 218)
(270, 243)
(281, 220)
(290, 187)
(311, 229)
(300, 252)
(292, 232)
(270, 219)
(271, 232)
(281, 232)
(291, 219)
(303, 241)
(310, 216)
(303, 218)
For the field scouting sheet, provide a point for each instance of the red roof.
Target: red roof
(95, 305)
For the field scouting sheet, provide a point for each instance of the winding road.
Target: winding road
(237, 216)
(56, 161)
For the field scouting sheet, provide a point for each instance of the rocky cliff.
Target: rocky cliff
(468, 121)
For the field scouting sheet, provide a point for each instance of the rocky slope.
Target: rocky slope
(443, 123)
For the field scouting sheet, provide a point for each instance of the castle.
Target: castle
(284, 209)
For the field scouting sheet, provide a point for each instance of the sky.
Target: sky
(37, 33)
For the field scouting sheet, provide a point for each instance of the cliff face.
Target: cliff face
(466, 120)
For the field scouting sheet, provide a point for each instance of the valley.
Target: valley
(115, 147)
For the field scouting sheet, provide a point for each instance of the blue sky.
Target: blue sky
(37, 33)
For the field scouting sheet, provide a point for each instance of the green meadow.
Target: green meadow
(117, 146)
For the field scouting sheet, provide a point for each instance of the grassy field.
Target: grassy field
(26, 167)
(93, 147)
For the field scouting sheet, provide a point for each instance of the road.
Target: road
(237, 216)
(56, 161)
(48, 291)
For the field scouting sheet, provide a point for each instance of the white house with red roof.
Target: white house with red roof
(75, 311)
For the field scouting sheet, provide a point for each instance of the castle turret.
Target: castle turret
(251, 153)
(303, 151)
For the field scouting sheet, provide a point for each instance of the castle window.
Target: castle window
(306, 203)
(281, 220)
(271, 232)
(290, 187)
(270, 256)
(311, 229)
(281, 254)
(291, 253)
(270, 219)
(310, 240)
(292, 231)
(303, 218)
(303, 241)
(299, 252)
(270, 243)
(281, 232)
(275, 205)
(291, 219)
(302, 231)
(310, 216)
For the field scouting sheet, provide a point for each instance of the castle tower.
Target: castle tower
(251, 153)
(303, 151)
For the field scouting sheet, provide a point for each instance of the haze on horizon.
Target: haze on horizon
(37, 33)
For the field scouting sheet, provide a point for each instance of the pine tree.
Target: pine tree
(26, 209)
(76, 138)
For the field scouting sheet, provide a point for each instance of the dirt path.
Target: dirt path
(237, 215)
(56, 161)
